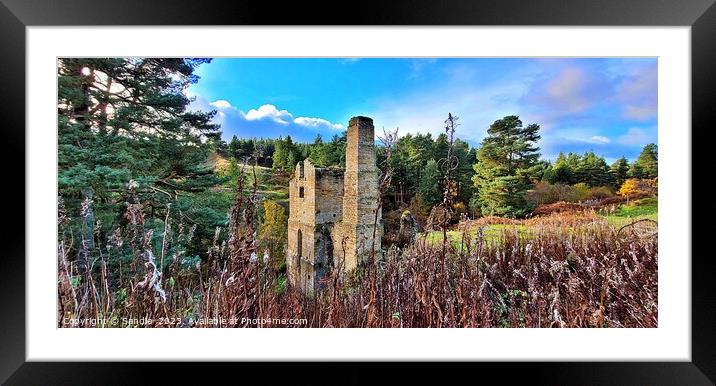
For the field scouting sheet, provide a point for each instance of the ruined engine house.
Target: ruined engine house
(331, 211)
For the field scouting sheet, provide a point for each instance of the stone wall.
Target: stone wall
(329, 193)
(331, 211)
(315, 203)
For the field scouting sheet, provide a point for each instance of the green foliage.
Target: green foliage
(319, 152)
(506, 164)
(281, 285)
(429, 185)
(336, 151)
(241, 149)
(581, 191)
(273, 232)
(647, 165)
(410, 165)
(574, 168)
(283, 149)
(127, 119)
(120, 297)
(620, 171)
(466, 157)
(207, 210)
(546, 193)
(126, 136)
(593, 170)
(286, 153)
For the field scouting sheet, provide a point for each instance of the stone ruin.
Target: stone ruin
(331, 211)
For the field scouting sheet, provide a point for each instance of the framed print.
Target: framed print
(480, 183)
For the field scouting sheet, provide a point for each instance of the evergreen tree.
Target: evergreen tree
(127, 119)
(620, 171)
(561, 171)
(466, 161)
(506, 165)
(336, 151)
(294, 157)
(234, 146)
(318, 152)
(440, 147)
(283, 148)
(429, 185)
(635, 171)
(648, 161)
(593, 170)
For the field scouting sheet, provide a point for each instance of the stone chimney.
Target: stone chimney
(361, 176)
(360, 193)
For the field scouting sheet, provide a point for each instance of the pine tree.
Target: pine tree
(429, 185)
(318, 152)
(336, 151)
(234, 146)
(466, 161)
(635, 171)
(127, 119)
(507, 162)
(280, 154)
(561, 172)
(121, 118)
(648, 161)
(594, 171)
(620, 170)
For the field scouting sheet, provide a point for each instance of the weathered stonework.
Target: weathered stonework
(332, 211)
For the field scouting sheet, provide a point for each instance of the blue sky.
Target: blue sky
(608, 105)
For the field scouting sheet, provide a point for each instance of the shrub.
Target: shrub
(638, 186)
(581, 192)
(600, 193)
(545, 193)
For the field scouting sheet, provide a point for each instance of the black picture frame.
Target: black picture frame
(15, 15)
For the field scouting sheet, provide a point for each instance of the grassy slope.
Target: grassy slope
(271, 185)
(645, 208)
(274, 186)
(625, 214)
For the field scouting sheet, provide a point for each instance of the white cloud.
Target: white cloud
(268, 111)
(317, 123)
(567, 90)
(640, 113)
(600, 139)
(266, 121)
(635, 136)
(425, 112)
(638, 91)
(221, 104)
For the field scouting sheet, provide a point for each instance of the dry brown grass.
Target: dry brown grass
(584, 275)
(558, 207)
(574, 270)
(566, 219)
